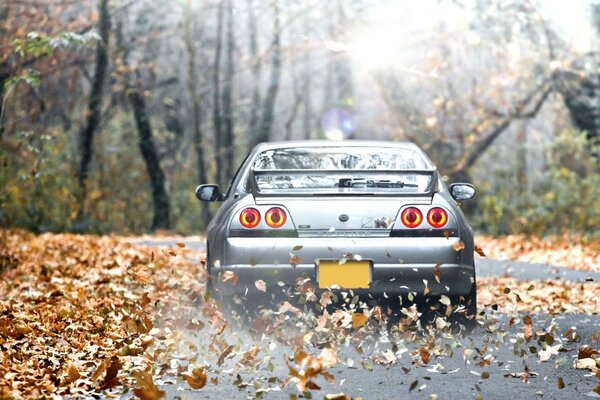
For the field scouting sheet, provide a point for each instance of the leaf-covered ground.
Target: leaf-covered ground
(86, 314)
(568, 251)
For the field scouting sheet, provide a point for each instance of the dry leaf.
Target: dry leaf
(180, 245)
(528, 327)
(261, 285)
(424, 354)
(458, 246)
(197, 380)
(359, 320)
(478, 250)
(145, 388)
(230, 276)
(72, 373)
(586, 352)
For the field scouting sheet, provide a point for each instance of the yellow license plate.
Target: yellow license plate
(349, 275)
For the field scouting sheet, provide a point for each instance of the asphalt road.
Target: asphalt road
(448, 377)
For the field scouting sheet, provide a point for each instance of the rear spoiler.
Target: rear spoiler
(253, 184)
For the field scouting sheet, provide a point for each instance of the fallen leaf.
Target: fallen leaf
(180, 245)
(72, 373)
(110, 380)
(586, 352)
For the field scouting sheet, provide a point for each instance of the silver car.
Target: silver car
(371, 217)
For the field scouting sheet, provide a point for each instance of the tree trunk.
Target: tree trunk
(268, 112)
(228, 134)
(197, 136)
(216, 100)
(94, 109)
(256, 69)
(160, 198)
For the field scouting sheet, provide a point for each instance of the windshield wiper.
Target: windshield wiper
(379, 183)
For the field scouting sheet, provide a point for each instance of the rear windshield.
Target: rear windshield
(341, 170)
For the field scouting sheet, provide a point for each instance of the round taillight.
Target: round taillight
(437, 217)
(250, 218)
(275, 217)
(411, 217)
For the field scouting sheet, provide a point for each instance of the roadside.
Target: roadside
(570, 251)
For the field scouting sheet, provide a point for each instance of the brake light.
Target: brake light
(275, 217)
(250, 218)
(437, 217)
(411, 217)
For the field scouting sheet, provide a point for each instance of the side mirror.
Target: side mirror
(462, 191)
(208, 193)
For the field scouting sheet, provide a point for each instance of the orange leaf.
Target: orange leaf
(197, 379)
(528, 327)
(479, 250)
(180, 245)
(72, 373)
(359, 320)
(458, 246)
(425, 355)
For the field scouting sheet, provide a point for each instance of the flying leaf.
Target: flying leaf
(458, 246)
(224, 355)
(359, 320)
(230, 276)
(424, 354)
(145, 388)
(180, 245)
(528, 327)
(261, 285)
(197, 380)
(478, 250)
(297, 248)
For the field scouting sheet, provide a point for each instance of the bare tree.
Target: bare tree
(216, 101)
(227, 98)
(160, 199)
(197, 136)
(94, 110)
(268, 110)
(256, 69)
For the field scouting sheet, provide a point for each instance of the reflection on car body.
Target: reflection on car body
(372, 217)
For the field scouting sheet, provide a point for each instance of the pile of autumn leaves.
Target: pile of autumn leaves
(86, 314)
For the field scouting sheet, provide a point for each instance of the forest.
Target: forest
(113, 111)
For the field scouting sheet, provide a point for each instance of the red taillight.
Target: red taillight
(275, 217)
(250, 218)
(437, 217)
(411, 217)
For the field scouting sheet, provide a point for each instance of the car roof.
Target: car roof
(330, 143)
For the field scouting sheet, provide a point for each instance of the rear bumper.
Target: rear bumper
(399, 265)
